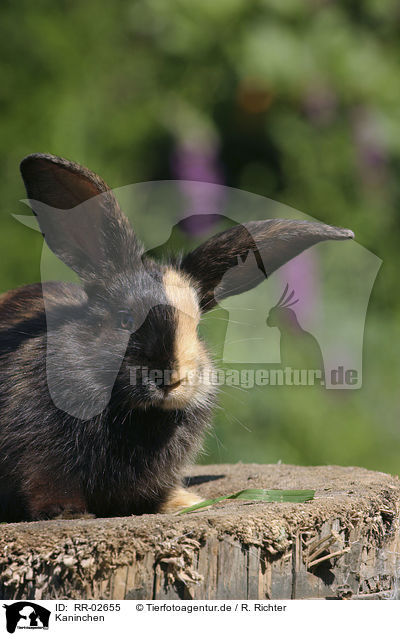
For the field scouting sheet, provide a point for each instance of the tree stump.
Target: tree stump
(343, 544)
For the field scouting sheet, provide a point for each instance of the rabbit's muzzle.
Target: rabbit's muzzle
(170, 363)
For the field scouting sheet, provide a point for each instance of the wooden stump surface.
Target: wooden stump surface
(343, 544)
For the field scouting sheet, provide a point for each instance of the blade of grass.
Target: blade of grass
(257, 494)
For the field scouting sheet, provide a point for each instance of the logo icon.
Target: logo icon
(26, 615)
(299, 348)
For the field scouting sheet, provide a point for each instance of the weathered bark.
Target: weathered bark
(342, 544)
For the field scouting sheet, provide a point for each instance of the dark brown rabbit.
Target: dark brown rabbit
(83, 428)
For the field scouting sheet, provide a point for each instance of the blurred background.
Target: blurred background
(298, 101)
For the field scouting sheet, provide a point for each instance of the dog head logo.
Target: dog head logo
(26, 615)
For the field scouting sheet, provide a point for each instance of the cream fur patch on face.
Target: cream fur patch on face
(189, 351)
(182, 296)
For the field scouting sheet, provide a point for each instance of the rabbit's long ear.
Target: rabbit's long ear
(240, 258)
(79, 216)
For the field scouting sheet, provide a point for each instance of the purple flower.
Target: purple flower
(198, 168)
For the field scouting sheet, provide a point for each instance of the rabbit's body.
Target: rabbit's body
(84, 427)
(119, 462)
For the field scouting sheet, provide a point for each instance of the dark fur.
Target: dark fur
(126, 459)
(118, 463)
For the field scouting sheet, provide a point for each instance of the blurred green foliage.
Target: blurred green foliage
(297, 100)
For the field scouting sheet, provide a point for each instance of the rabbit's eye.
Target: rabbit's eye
(126, 320)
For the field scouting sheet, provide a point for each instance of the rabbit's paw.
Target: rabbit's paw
(74, 514)
(179, 498)
(49, 501)
(58, 512)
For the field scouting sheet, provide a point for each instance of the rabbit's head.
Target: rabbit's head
(138, 318)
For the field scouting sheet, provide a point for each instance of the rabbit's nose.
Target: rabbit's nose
(175, 379)
(167, 388)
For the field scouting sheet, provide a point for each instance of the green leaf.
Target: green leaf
(257, 494)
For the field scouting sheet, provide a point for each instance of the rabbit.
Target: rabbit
(84, 439)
